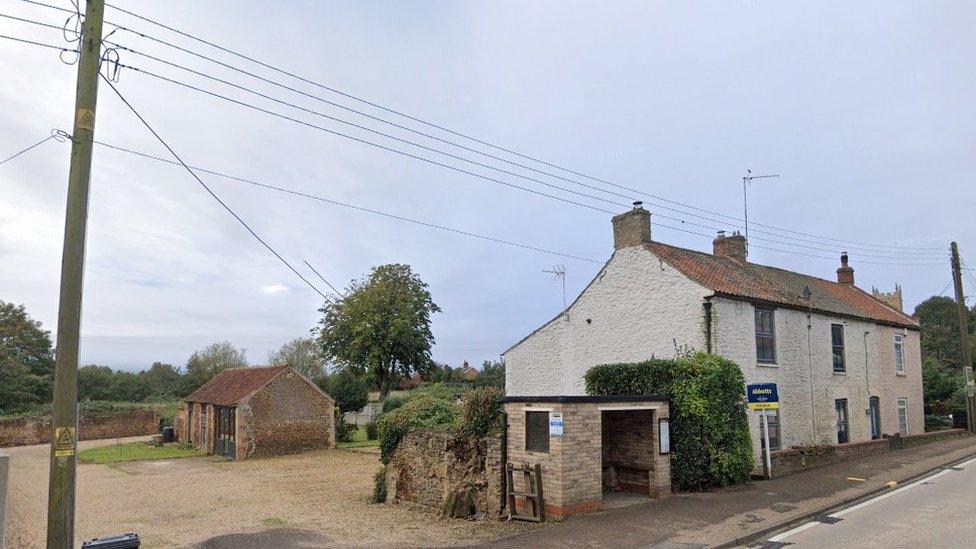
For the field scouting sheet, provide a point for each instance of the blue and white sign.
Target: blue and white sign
(556, 424)
(762, 396)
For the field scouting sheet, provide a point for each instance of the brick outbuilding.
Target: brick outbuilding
(246, 412)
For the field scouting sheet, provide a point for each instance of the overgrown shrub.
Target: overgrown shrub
(371, 430)
(379, 486)
(710, 443)
(392, 402)
(420, 412)
(481, 411)
(350, 392)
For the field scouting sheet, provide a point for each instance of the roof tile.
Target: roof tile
(229, 386)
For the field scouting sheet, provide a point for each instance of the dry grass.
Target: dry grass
(176, 503)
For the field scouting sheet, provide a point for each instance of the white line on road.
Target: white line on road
(789, 533)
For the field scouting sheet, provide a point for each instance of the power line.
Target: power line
(22, 151)
(34, 43)
(891, 249)
(209, 190)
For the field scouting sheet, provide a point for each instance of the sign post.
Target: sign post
(762, 397)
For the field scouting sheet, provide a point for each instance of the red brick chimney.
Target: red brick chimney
(732, 247)
(845, 274)
(631, 228)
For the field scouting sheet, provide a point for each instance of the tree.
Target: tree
(348, 389)
(942, 375)
(26, 360)
(492, 375)
(212, 359)
(96, 383)
(382, 326)
(163, 381)
(129, 387)
(303, 354)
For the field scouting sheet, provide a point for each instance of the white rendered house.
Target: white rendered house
(847, 363)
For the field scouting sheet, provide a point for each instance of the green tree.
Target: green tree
(96, 383)
(302, 354)
(129, 387)
(348, 389)
(942, 375)
(26, 360)
(382, 326)
(492, 375)
(207, 362)
(163, 381)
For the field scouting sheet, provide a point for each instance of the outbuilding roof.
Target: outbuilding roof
(742, 279)
(228, 387)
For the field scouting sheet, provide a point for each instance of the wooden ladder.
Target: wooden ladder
(532, 492)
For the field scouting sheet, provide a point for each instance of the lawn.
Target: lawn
(359, 440)
(135, 451)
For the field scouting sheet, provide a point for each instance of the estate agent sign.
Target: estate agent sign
(762, 396)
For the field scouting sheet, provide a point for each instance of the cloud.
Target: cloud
(274, 289)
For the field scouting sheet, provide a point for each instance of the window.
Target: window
(843, 435)
(899, 354)
(765, 336)
(837, 340)
(537, 431)
(772, 419)
(903, 416)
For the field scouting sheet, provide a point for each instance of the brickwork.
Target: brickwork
(286, 416)
(572, 470)
(37, 430)
(427, 468)
(628, 447)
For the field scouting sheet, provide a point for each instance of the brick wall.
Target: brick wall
(286, 416)
(37, 430)
(797, 459)
(427, 468)
(628, 447)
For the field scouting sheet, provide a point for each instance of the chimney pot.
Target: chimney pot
(732, 247)
(631, 228)
(845, 274)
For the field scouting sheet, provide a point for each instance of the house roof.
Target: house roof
(741, 279)
(230, 386)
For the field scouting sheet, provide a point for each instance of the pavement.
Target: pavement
(935, 511)
(740, 514)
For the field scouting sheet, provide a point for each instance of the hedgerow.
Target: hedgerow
(710, 443)
(481, 412)
(424, 412)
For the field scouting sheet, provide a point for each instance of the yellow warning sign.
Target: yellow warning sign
(85, 120)
(64, 437)
(64, 453)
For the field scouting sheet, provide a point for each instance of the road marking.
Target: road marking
(924, 481)
(857, 479)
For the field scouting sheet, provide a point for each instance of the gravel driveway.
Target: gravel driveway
(318, 496)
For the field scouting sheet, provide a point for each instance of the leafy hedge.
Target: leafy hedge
(710, 443)
(481, 412)
(419, 412)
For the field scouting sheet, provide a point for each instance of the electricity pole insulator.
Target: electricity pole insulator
(64, 435)
(966, 356)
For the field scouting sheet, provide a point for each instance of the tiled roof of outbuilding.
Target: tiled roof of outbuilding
(770, 284)
(228, 387)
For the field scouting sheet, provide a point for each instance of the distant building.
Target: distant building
(467, 373)
(247, 412)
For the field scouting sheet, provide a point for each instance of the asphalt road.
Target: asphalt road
(936, 511)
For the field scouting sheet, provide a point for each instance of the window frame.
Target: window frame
(841, 404)
(530, 442)
(902, 404)
(900, 355)
(838, 349)
(766, 336)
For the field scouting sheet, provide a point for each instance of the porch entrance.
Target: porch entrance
(225, 440)
(874, 409)
(627, 456)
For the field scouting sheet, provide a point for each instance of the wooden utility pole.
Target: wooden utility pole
(64, 442)
(966, 351)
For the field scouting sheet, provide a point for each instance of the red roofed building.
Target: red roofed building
(847, 364)
(246, 412)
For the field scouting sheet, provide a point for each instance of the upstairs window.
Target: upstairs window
(899, 354)
(765, 336)
(837, 341)
(537, 431)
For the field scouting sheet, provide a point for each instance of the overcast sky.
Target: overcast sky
(865, 109)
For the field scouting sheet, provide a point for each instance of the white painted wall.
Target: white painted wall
(638, 307)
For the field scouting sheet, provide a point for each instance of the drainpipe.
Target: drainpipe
(708, 326)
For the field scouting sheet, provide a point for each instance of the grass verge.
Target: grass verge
(135, 451)
(359, 440)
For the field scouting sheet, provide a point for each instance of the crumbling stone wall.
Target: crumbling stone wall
(286, 416)
(457, 476)
(38, 430)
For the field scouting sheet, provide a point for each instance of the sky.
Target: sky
(863, 109)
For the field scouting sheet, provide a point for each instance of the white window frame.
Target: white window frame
(899, 354)
(903, 410)
(778, 429)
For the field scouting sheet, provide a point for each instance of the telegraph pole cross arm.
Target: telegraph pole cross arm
(64, 435)
(966, 358)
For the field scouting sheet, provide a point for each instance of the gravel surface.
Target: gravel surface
(184, 502)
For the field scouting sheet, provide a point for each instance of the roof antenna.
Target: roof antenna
(745, 198)
(558, 272)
